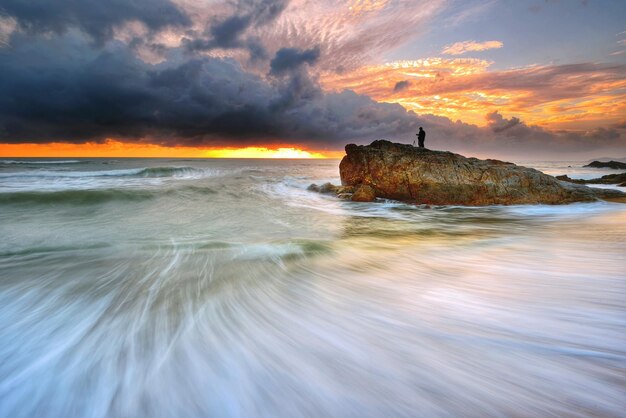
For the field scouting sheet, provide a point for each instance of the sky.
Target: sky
(534, 79)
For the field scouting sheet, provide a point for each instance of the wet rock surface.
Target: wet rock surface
(419, 175)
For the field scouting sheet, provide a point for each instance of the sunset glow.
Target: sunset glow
(465, 89)
(260, 152)
(117, 149)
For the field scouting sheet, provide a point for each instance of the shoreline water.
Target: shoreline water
(225, 288)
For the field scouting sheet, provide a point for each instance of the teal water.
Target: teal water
(171, 288)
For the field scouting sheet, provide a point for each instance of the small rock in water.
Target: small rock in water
(342, 192)
(568, 179)
(324, 188)
(364, 193)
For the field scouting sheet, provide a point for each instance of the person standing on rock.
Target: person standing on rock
(421, 136)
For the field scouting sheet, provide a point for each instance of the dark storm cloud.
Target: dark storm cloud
(98, 18)
(289, 59)
(228, 32)
(63, 89)
(401, 85)
(223, 34)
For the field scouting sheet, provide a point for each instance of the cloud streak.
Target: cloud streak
(228, 32)
(460, 48)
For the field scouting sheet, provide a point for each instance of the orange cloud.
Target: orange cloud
(459, 48)
(576, 96)
(117, 149)
(364, 6)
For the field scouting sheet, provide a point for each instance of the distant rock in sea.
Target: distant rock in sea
(608, 179)
(611, 164)
(422, 176)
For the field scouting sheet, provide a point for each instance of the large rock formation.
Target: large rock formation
(418, 175)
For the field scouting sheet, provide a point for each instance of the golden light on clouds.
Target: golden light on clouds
(117, 149)
(556, 97)
(459, 48)
(364, 6)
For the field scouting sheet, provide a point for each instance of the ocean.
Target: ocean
(223, 288)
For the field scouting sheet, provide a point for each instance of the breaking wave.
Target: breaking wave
(178, 172)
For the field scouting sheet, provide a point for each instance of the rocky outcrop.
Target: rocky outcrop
(608, 179)
(617, 165)
(419, 175)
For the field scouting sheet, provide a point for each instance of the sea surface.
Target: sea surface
(223, 288)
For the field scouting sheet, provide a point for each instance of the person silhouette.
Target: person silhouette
(421, 136)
